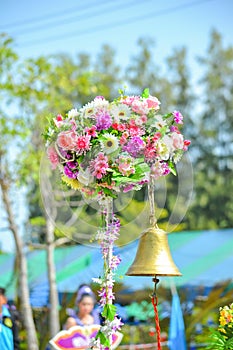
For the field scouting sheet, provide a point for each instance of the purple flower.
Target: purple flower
(135, 146)
(116, 259)
(104, 120)
(178, 118)
(128, 188)
(72, 165)
(68, 172)
(166, 169)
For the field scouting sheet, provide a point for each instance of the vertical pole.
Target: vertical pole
(151, 198)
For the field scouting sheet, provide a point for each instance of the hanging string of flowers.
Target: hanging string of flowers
(108, 147)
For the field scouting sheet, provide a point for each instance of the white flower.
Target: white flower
(85, 177)
(168, 142)
(163, 150)
(159, 123)
(177, 140)
(90, 109)
(120, 112)
(73, 113)
(109, 144)
(97, 280)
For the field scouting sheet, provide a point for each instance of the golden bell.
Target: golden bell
(153, 256)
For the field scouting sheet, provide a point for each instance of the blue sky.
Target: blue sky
(47, 27)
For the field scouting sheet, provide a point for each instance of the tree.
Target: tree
(13, 128)
(213, 169)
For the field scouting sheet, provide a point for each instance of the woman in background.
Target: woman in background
(86, 314)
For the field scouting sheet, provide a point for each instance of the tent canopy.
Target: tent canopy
(203, 257)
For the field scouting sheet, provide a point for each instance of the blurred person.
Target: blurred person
(86, 313)
(8, 329)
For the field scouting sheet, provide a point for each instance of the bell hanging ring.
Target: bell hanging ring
(153, 256)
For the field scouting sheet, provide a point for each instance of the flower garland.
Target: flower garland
(108, 147)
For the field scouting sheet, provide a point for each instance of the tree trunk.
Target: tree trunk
(32, 343)
(54, 325)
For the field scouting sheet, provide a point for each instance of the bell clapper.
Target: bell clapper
(154, 300)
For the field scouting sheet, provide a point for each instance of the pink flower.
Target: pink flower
(91, 131)
(143, 119)
(99, 166)
(186, 144)
(123, 140)
(135, 130)
(177, 140)
(150, 152)
(99, 98)
(83, 143)
(153, 102)
(178, 118)
(156, 136)
(58, 121)
(140, 107)
(130, 99)
(53, 157)
(67, 140)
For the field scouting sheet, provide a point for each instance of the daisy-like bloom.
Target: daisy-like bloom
(109, 143)
(73, 113)
(91, 108)
(178, 118)
(88, 111)
(120, 112)
(73, 183)
(103, 120)
(159, 123)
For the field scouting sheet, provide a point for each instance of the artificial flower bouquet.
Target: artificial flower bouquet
(222, 338)
(106, 147)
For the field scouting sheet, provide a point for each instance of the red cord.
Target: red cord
(157, 326)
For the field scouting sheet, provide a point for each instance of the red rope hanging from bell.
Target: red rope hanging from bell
(154, 300)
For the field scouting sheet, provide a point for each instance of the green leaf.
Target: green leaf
(109, 312)
(168, 115)
(229, 344)
(172, 168)
(146, 93)
(103, 339)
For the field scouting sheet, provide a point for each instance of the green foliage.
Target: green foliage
(109, 311)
